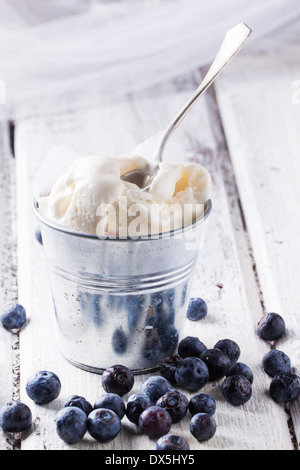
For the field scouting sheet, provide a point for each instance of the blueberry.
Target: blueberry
(176, 404)
(113, 402)
(197, 309)
(15, 416)
(285, 387)
(271, 327)
(191, 346)
(103, 424)
(202, 426)
(230, 348)
(155, 422)
(71, 424)
(202, 403)
(172, 442)
(191, 373)
(274, 362)
(79, 402)
(239, 368)
(136, 404)
(13, 316)
(117, 379)
(154, 387)
(236, 390)
(217, 362)
(168, 367)
(43, 387)
(119, 341)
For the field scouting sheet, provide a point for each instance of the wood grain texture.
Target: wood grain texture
(9, 342)
(261, 118)
(225, 276)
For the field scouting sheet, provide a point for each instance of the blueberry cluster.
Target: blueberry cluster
(285, 386)
(42, 387)
(190, 369)
(160, 402)
(159, 405)
(154, 410)
(195, 365)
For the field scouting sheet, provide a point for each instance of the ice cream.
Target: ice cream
(90, 197)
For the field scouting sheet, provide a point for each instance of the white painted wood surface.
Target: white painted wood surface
(9, 343)
(262, 132)
(241, 271)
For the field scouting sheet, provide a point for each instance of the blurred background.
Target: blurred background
(85, 52)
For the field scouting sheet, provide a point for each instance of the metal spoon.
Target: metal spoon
(234, 40)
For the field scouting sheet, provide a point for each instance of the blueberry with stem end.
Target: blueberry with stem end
(172, 442)
(117, 379)
(176, 404)
(202, 427)
(103, 425)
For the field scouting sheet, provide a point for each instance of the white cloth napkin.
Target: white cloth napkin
(85, 52)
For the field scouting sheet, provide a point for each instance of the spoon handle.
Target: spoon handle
(234, 40)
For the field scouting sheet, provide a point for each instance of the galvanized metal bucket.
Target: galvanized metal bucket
(120, 301)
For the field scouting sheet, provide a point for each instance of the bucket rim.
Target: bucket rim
(171, 234)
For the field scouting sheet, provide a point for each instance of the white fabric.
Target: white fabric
(87, 51)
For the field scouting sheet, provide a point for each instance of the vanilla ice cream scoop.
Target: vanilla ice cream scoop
(76, 195)
(90, 197)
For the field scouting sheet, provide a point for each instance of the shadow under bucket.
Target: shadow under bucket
(120, 301)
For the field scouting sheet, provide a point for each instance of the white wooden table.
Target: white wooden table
(246, 132)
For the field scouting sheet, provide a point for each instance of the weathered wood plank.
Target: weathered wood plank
(9, 342)
(261, 118)
(224, 274)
